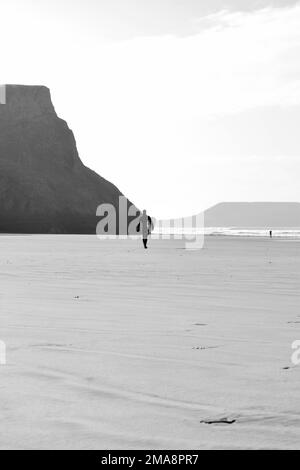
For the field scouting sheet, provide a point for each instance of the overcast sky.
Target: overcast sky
(180, 103)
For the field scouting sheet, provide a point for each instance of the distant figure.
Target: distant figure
(271, 233)
(145, 226)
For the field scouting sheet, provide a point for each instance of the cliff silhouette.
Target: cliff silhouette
(44, 186)
(253, 214)
(264, 215)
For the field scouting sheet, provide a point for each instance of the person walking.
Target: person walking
(145, 226)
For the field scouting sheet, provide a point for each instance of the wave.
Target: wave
(229, 231)
(281, 233)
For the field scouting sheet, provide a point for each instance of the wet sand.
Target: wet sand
(112, 347)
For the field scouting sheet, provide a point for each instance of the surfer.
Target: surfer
(145, 226)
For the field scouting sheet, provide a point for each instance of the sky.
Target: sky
(180, 103)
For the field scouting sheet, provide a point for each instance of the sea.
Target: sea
(281, 232)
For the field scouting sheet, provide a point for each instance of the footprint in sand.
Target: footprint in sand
(50, 345)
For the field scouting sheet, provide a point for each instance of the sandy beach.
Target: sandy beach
(112, 347)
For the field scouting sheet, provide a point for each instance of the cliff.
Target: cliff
(254, 214)
(44, 186)
(264, 215)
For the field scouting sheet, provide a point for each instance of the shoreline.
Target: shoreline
(157, 237)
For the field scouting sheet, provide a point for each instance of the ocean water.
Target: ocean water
(229, 231)
(254, 232)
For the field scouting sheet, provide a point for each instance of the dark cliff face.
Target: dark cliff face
(44, 186)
